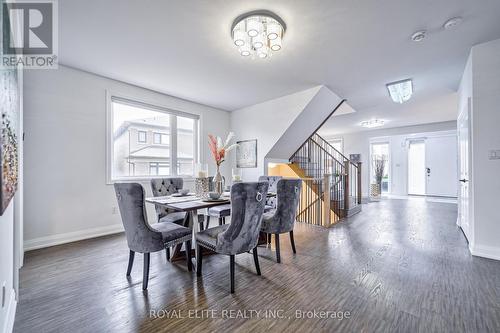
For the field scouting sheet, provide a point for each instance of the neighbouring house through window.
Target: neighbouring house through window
(146, 141)
(141, 136)
(160, 138)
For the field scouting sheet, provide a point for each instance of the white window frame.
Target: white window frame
(139, 137)
(337, 139)
(138, 102)
(383, 140)
(161, 140)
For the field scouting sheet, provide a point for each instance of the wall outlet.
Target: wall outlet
(114, 210)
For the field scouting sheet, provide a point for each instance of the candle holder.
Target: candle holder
(201, 170)
(201, 187)
(236, 172)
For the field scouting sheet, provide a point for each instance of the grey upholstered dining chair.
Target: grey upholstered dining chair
(282, 219)
(242, 234)
(141, 237)
(167, 186)
(273, 181)
(219, 212)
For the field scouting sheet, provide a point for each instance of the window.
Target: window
(159, 169)
(160, 138)
(131, 155)
(338, 144)
(141, 136)
(380, 162)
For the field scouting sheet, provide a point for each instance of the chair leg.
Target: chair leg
(292, 241)
(208, 222)
(220, 220)
(224, 220)
(256, 260)
(167, 253)
(200, 223)
(145, 274)
(130, 262)
(269, 238)
(188, 256)
(277, 243)
(199, 258)
(231, 271)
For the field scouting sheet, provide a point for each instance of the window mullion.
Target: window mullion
(173, 145)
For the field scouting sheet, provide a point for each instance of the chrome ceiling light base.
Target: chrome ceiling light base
(258, 34)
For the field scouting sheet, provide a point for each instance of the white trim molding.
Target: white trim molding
(11, 313)
(489, 252)
(58, 239)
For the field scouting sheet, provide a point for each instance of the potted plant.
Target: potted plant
(379, 163)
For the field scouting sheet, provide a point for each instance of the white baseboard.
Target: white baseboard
(489, 252)
(11, 313)
(38, 243)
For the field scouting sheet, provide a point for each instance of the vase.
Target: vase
(375, 191)
(218, 182)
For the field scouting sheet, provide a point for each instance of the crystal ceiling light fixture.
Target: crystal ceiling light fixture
(372, 123)
(400, 91)
(258, 34)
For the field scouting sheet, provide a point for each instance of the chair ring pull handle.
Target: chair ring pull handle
(296, 189)
(258, 197)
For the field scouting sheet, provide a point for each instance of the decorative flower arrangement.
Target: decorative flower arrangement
(218, 149)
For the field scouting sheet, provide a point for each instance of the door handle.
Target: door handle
(464, 180)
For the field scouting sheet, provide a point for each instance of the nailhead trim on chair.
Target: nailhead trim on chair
(205, 244)
(178, 241)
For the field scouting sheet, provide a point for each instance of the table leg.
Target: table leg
(177, 255)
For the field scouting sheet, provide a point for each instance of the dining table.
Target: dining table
(190, 204)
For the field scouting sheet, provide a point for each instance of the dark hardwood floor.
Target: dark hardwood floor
(400, 265)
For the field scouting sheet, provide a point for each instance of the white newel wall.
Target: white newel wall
(65, 124)
(266, 122)
(485, 137)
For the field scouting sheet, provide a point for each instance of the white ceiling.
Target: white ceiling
(183, 48)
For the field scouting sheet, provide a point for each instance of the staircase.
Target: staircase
(332, 183)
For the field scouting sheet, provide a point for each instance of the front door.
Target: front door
(441, 166)
(464, 172)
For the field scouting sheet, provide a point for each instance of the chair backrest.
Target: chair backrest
(273, 183)
(140, 237)
(247, 207)
(288, 194)
(165, 186)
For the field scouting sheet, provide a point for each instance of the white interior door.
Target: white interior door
(441, 163)
(464, 172)
(416, 168)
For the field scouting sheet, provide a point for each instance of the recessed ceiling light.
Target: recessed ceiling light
(400, 91)
(372, 123)
(453, 22)
(418, 36)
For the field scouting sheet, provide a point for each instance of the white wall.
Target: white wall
(65, 167)
(10, 243)
(267, 122)
(359, 143)
(7, 268)
(485, 137)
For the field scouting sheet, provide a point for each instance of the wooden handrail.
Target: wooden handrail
(317, 128)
